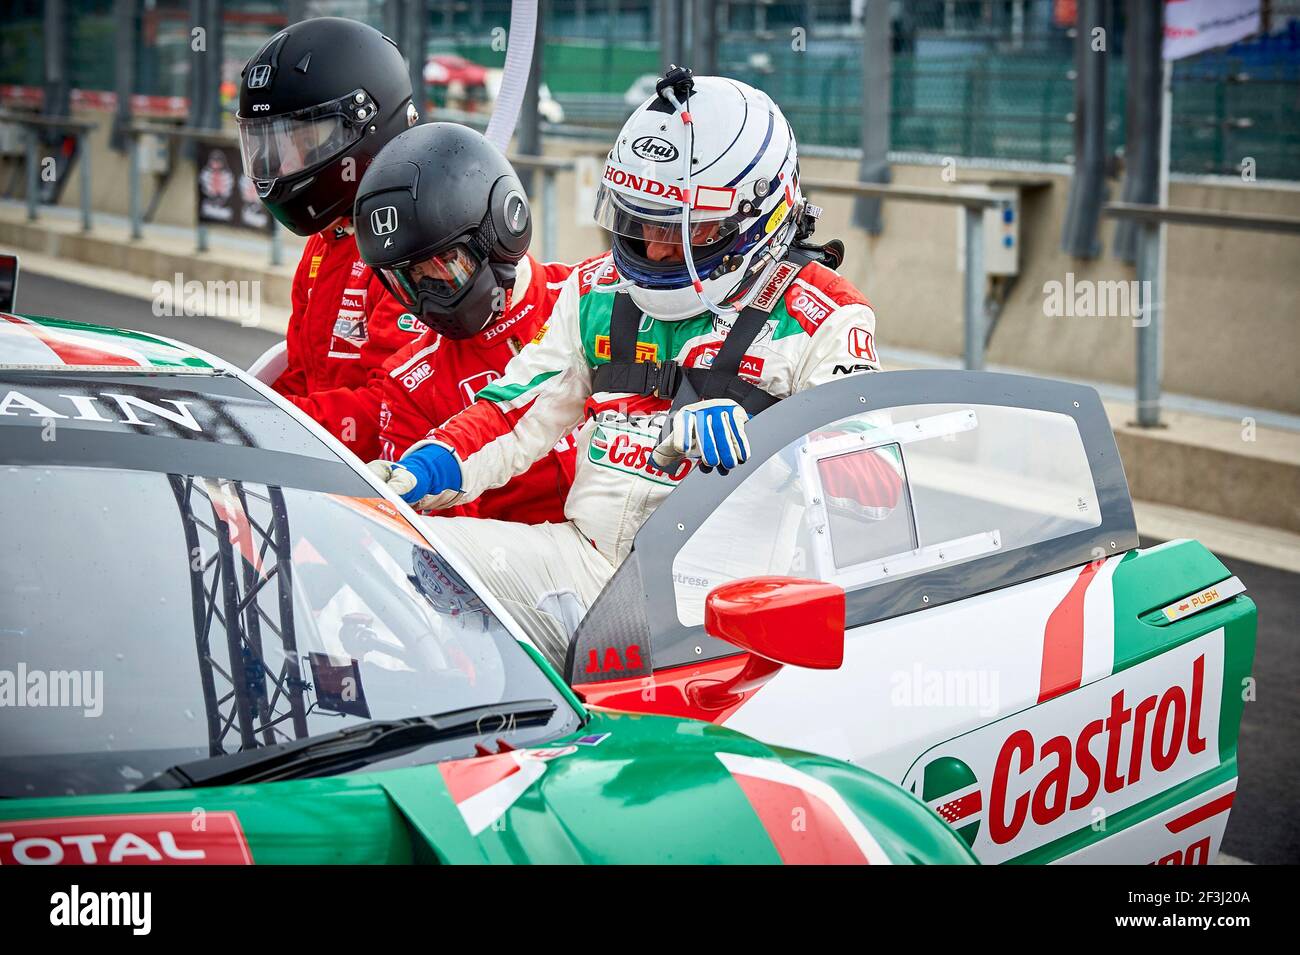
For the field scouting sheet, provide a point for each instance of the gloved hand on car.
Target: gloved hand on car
(712, 432)
(426, 478)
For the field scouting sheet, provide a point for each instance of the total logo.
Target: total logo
(702, 356)
(170, 838)
(1024, 781)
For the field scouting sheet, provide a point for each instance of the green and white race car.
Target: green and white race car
(220, 642)
(244, 613)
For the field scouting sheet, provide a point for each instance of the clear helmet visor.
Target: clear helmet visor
(441, 275)
(276, 146)
(655, 231)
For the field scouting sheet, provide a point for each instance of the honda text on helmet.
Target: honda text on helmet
(442, 217)
(316, 104)
(701, 194)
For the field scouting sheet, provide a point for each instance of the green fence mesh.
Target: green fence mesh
(988, 79)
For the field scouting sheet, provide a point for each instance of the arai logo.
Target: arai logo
(654, 149)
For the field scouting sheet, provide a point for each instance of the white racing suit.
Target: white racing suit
(820, 327)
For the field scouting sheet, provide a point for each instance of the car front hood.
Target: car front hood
(625, 789)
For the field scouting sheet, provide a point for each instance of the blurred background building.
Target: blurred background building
(974, 78)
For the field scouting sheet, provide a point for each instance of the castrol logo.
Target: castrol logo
(1059, 767)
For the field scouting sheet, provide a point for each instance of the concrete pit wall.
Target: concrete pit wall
(1233, 318)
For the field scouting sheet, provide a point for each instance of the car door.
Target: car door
(1010, 655)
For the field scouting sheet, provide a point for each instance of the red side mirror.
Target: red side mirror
(783, 619)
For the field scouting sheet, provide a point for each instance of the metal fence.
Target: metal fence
(990, 79)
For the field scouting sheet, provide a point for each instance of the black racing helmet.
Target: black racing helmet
(443, 220)
(316, 104)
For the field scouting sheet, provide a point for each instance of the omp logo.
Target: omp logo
(645, 351)
(629, 451)
(1038, 775)
(810, 308)
(599, 272)
(654, 149)
(384, 221)
(419, 373)
(259, 76)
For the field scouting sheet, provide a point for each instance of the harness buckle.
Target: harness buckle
(668, 379)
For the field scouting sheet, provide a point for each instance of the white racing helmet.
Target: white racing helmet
(710, 159)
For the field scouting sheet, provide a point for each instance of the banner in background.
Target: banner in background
(1192, 26)
(225, 195)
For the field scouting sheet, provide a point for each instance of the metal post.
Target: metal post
(877, 89)
(412, 45)
(133, 185)
(973, 294)
(83, 146)
(529, 128)
(33, 179)
(126, 48)
(1079, 235)
(1150, 330)
(704, 56)
(549, 215)
(58, 88)
(200, 235)
(205, 67)
(670, 33)
(1142, 156)
(277, 244)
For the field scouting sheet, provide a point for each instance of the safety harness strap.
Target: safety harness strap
(623, 374)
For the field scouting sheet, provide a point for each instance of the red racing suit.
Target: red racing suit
(434, 378)
(343, 328)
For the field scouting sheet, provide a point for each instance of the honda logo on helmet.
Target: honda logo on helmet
(383, 221)
(259, 76)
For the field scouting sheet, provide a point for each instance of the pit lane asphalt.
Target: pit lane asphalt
(1265, 825)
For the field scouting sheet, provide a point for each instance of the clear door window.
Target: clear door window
(885, 495)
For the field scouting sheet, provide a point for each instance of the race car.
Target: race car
(221, 641)
(1013, 657)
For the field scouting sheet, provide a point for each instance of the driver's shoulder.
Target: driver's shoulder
(812, 297)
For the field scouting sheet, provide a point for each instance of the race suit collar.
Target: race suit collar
(513, 323)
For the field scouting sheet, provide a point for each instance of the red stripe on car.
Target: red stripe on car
(803, 829)
(1063, 640)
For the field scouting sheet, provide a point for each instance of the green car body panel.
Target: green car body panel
(651, 790)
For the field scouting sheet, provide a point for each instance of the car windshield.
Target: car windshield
(150, 618)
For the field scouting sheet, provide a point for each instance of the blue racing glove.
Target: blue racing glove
(712, 431)
(426, 478)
